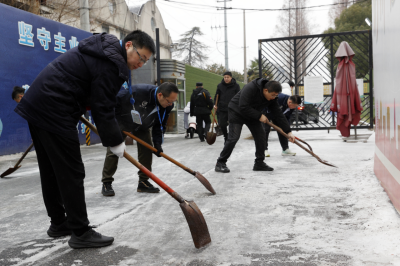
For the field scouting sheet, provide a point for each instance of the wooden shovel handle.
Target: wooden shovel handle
(148, 146)
(216, 102)
(23, 155)
(140, 166)
(296, 142)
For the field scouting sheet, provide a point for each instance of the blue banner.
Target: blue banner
(28, 43)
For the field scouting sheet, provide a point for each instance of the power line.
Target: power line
(260, 9)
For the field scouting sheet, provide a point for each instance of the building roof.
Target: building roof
(135, 6)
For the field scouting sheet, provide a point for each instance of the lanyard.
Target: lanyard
(158, 111)
(131, 100)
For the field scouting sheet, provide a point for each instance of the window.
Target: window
(112, 7)
(105, 28)
(153, 24)
(122, 35)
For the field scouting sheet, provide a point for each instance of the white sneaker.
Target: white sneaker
(267, 153)
(288, 152)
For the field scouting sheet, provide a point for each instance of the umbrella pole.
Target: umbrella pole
(355, 131)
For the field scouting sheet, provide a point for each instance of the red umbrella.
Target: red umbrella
(346, 99)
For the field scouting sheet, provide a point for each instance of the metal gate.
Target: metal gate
(293, 58)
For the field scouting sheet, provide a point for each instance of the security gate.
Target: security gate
(293, 58)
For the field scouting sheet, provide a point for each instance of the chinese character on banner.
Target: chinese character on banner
(25, 34)
(44, 37)
(60, 43)
(73, 42)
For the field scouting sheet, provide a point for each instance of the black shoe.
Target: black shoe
(107, 190)
(90, 239)
(222, 168)
(187, 137)
(59, 230)
(262, 167)
(202, 140)
(146, 186)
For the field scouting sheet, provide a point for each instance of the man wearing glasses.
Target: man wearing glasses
(88, 76)
(154, 105)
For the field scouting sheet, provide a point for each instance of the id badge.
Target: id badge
(136, 117)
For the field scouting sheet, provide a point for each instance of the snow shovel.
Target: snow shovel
(301, 146)
(194, 217)
(211, 136)
(16, 166)
(199, 176)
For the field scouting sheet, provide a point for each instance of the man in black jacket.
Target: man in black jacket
(226, 90)
(87, 76)
(201, 105)
(245, 109)
(154, 105)
(287, 104)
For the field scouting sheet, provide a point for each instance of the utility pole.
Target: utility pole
(226, 36)
(244, 47)
(84, 14)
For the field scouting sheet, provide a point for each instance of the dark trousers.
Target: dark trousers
(199, 125)
(282, 139)
(61, 174)
(234, 134)
(223, 123)
(145, 158)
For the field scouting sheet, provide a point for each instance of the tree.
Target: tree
(337, 9)
(219, 69)
(292, 22)
(253, 71)
(353, 19)
(191, 48)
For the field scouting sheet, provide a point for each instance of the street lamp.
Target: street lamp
(368, 21)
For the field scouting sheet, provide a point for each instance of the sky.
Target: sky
(179, 18)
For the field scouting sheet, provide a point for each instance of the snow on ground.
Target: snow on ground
(302, 213)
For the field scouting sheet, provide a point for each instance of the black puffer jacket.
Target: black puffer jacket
(248, 104)
(226, 92)
(89, 75)
(146, 104)
(201, 102)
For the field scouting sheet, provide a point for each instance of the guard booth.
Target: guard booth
(174, 71)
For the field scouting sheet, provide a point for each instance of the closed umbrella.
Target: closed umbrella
(346, 99)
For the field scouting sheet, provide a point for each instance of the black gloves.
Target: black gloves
(159, 149)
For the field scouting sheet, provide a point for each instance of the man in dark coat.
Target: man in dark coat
(201, 105)
(287, 105)
(87, 76)
(226, 90)
(154, 105)
(245, 109)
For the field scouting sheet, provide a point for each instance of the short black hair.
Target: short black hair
(291, 83)
(16, 91)
(166, 88)
(141, 39)
(273, 86)
(295, 99)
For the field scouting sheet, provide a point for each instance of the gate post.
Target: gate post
(371, 91)
(332, 79)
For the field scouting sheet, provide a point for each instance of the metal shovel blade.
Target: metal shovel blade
(197, 224)
(210, 138)
(205, 182)
(10, 171)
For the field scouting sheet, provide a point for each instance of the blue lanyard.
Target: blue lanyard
(158, 111)
(131, 100)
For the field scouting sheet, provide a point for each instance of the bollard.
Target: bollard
(87, 131)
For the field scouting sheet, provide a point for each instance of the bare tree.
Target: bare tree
(336, 10)
(293, 21)
(191, 48)
(32, 6)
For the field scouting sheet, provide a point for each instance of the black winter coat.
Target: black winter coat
(200, 102)
(146, 104)
(283, 105)
(247, 106)
(89, 75)
(226, 92)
